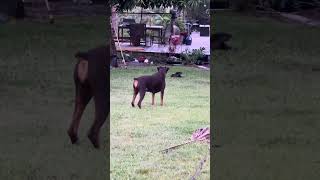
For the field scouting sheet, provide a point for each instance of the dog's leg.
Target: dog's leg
(135, 92)
(162, 93)
(83, 96)
(153, 98)
(101, 113)
(142, 93)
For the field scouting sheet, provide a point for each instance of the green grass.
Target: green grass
(137, 135)
(36, 100)
(266, 100)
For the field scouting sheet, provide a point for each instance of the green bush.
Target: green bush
(181, 25)
(198, 9)
(193, 57)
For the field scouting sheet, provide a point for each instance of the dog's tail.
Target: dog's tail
(82, 55)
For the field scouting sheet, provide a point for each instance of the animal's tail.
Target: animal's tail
(82, 55)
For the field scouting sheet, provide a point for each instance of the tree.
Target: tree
(130, 4)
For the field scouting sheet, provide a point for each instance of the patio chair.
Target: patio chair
(137, 32)
(124, 24)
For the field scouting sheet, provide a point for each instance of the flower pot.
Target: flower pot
(183, 37)
(188, 40)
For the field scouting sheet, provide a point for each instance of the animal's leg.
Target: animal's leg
(153, 98)
(135, 92)
(162, 93)
(101, 112)
(83, 96)
(142, 93)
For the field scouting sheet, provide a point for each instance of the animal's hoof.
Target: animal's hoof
(94, 140)
(132, 104)
(139, 106)
(73, 137)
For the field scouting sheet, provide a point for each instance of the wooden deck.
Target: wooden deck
(197, 43)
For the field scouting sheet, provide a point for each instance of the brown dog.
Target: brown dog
(92, 79)
(154, 84)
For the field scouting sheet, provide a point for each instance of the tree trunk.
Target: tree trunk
(113, 50)
(111, 30)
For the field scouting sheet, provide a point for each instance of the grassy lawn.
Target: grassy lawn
(137, 135)
(266, 111)
(36, 100)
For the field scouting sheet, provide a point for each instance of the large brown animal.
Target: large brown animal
(150, 83)
(92, 79)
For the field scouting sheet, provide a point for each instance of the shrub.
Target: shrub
(194, 56)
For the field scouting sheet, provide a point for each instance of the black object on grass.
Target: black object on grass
(177, 74)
